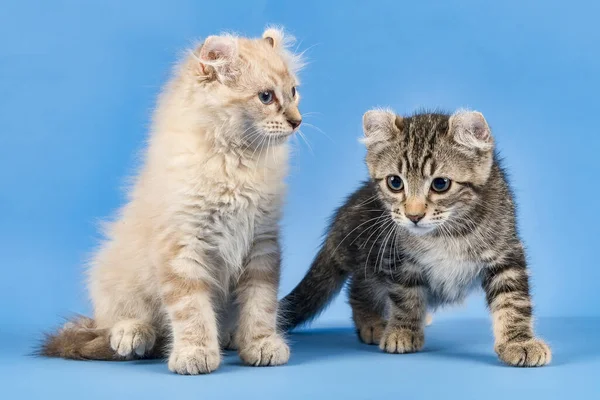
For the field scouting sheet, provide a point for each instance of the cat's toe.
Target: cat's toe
(371, 334)
(531, 353)
(194, 360)
(132, 338)
(400, 340)
(269, 350)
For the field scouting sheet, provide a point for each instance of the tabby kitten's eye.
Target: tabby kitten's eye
(395, 183)
(294, 91)
(440, 185)
(266, 97)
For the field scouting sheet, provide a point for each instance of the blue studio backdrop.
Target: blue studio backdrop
(78, 82)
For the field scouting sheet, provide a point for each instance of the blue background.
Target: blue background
(78, 81)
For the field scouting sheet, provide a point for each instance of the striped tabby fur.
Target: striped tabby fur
(463, 237)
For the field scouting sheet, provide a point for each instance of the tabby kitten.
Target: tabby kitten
(436, 219)
(198, 241)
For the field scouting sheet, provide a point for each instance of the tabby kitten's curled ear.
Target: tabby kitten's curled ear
(380, 125)
(470, 129)
(217, 56)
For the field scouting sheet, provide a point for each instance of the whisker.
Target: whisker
(310, 113)
(382, 230)
(382, 249)
(306, 141)
(369, 200)
(349, 233)
(319, 130)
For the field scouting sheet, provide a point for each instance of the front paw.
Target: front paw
(401, 340)
(269, 350)
(530, 353)
(194, 360)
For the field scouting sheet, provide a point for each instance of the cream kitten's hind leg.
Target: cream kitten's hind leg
(257, 339)
(132, 337)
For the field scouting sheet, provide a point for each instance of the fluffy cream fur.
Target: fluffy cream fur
(197, 243)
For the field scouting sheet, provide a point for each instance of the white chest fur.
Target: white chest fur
(449, 271)
(227, 202)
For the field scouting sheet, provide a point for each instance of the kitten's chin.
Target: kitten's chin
(419, 230)
(267, 140)
(279, 138)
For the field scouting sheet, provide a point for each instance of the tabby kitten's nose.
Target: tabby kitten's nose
(294, 122)
(415, 217)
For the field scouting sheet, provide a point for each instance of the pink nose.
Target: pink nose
(294, 122)
(415, 217)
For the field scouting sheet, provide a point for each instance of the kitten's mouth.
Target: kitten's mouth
(278, 138)
(267, 140)
(419, 229)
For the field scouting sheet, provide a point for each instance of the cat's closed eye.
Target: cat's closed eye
(294, 91)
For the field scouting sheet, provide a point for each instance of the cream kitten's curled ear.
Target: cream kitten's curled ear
(380, 125)
(274, 36)
(217, 56)
(471, 130)
(282, 42)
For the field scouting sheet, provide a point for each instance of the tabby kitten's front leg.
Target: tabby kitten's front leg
(256, 336)
(506, 285)
(404, 332)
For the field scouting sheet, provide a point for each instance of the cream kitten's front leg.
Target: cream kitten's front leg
(186, 290)
(257, 339)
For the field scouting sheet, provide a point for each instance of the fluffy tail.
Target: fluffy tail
(324, 280)
(79, 339)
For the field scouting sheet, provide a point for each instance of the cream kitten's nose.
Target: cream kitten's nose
(293, 117)
(294, 122)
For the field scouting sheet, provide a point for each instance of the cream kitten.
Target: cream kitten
(198, 241)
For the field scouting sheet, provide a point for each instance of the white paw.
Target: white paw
(129, 338)
(428, 319)
(270, 350)
(194, 360)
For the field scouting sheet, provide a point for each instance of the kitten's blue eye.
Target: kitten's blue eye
(266, 97)
(395, 183)
(440, 185)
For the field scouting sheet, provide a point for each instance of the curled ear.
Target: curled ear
(471, 130)
(380, 125)
(275, 37)
(217, 55)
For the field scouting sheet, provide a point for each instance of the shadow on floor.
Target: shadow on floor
(571, 339)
